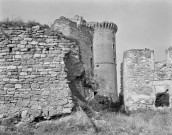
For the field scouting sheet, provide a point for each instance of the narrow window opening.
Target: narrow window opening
(95, 93)
(97, 65)
(47, 49)
(91, 62)
(114, 59)
(92, 49)
(10, 49)
(113, 46)
(162, 99)
(28, 49)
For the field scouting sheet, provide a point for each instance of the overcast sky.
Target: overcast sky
(141, 23)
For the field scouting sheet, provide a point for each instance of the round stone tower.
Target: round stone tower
(104, 53)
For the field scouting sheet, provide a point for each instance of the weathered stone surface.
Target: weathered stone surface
(67, 110)
(37, 55)
(31, 61)
(28, 39)
(9, 85)
(143, 78)
(34, 43)
(33, 76)
(23, 42)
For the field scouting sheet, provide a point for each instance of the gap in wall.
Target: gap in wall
(162, 99)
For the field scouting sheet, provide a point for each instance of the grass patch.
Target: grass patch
(147, 122)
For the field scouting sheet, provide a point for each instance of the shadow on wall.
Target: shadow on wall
(162, 99)
(78, 79)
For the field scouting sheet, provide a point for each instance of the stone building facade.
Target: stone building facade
(146, 83)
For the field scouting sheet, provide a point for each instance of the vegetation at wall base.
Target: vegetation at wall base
(141, 122)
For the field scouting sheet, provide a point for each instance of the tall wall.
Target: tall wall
(81, 33)
(138, 68)
(104, 51)
(143, 78)
(32, 73)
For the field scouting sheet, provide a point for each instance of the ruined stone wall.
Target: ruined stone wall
(82, 34)
(163, 75)
(32, 73)
(138, 68)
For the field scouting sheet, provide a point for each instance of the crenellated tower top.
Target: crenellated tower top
(103, 25)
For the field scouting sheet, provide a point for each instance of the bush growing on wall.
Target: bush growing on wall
(17, 22)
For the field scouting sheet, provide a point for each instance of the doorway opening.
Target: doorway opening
(162, 99)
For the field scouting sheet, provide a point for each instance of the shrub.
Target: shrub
(17, 22)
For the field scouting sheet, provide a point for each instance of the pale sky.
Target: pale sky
(141, 23)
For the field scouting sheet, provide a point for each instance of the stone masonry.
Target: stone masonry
(143, 78)
(98, 50)
(34, 64)
(32, 73)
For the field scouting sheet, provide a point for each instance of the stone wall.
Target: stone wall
(143, 78)
(138, 67)
(80, 33)
(32, 73)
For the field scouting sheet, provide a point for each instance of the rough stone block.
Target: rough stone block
(13, 80)
(3, 92)
(69, 105)
(11, 67)
(23, 42)
(1, 116)
(24, 115)
(37, 55)
(18, 56)
(29, 69)
(42, 44)
(16, 63)
(27, 56)
(35, 28)
(10, 92)
(23, 73)
(9, 85)
(28, 39)
(66, 110)
(43, 73)
(39, 79)
(47, 63)
(43, 55)
(34, 85)
(34, 43)
(15, 38)
(45, 93)
(31, 61)
(26, 86)
(22, 103)
(19, 86)
(49, 40)
(62, 102)
(6, 79)
(2, 98)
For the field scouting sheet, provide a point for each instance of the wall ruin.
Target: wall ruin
(44, 72)
(81, 34)
(144, 79)
(32, 73)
